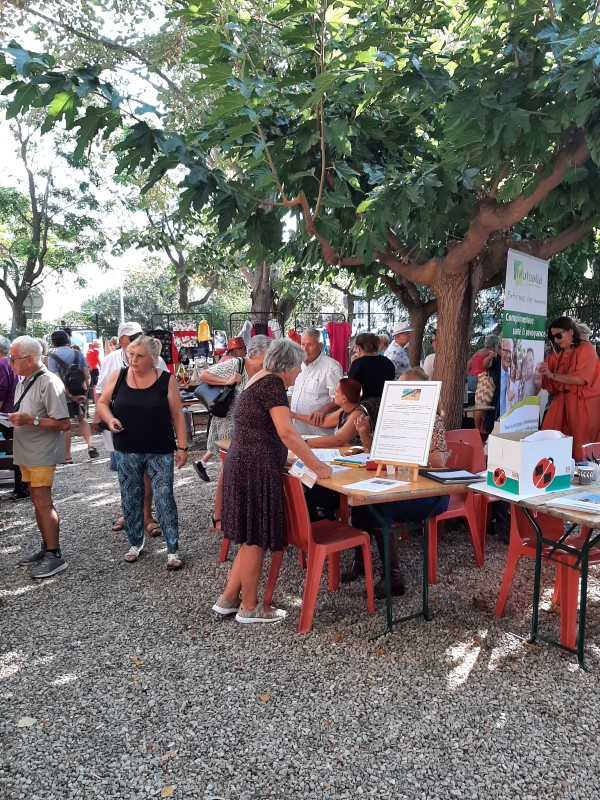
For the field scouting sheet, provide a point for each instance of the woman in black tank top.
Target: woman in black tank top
(149, 435)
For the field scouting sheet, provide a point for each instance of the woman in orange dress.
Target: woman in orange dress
(572, 374)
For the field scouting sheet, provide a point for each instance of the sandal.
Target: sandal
(153, 529)
(132, 555)
(174, 561)
(213, 528)
(118, 524)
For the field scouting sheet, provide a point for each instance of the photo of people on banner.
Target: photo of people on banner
(523, 335)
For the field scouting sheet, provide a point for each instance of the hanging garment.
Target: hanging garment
(261, 328)
(339, 334)
(203, 331)
(275, 329)
(295, 337)
(246, 333)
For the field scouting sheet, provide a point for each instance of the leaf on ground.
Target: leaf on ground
(477, 640)
(265, 697)
(337, 637)
(167, 791)
(26, 722)
(46, 722)
(432, 598)
(380, 651)
(135, 678)
(170, 754)
(370, 683)
(137, 660)
(325, 723)
(480, 604)
(563, 783)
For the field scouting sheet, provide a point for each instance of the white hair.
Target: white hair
(4, 345)
(316, 334)
(28, 346)
(152, 345)
(258, 345)
(43, 345)
(283, 356)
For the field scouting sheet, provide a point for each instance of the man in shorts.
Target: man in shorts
(58, 362)
(40, 418)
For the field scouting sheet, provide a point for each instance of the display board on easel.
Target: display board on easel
(405, 423)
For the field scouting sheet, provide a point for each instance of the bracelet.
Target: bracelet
(554, 376)
(185, 449)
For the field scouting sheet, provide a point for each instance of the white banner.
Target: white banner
(523, 337)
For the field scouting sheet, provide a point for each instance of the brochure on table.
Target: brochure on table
(405, 422)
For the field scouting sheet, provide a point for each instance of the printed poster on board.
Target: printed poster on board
(523, 336)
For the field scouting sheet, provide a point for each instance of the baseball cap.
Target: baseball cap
(129, 329)
(401, 327)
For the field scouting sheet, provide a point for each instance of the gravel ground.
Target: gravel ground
(118, 681)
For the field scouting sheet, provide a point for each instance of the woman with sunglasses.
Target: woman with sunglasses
(571, 373)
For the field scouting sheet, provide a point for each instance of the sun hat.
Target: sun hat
(401, 327)
(233, 344)
(129, 329)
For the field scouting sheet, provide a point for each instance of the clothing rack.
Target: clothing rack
(318, 319)
(165, 319)
(237, 319)
(375, 319)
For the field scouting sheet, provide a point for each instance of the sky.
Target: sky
(64, 296)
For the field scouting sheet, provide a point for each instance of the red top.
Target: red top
(339, 334)
(477, 363)
(93, 358)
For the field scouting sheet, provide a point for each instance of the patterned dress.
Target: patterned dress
(253, 511)
(222, 427)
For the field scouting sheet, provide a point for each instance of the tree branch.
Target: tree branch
(546, 248)
(206, 297)
(114, 46)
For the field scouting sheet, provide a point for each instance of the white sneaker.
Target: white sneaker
(260, 615)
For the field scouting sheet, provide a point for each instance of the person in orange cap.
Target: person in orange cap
(236, 348)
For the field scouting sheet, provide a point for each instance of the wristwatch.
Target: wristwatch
(185, 449)
(36, 421)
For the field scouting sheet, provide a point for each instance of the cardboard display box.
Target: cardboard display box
(528, 468)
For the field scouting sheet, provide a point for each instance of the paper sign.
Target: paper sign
(306, 475)
(376, 485)
(405, 422)
(325, 454)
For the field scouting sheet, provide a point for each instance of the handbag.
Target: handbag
(222, 403)
(104, 425)
(485, 389)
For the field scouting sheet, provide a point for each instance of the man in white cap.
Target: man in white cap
(128, 332)
(396, 352)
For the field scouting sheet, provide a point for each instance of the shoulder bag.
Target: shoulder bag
(485, 389)
(123, 372)
(222, 403)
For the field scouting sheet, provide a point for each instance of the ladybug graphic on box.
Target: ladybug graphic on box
(543, 473)
(499, 477)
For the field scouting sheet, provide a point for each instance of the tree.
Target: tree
(49, 230)
(415, 144)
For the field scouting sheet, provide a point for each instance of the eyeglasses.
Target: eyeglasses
(558, 335)
(12, 359)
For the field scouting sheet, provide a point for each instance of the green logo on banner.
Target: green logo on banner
(518, 273)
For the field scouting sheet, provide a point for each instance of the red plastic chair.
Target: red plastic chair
(461, 505)
(523, 544)
(473, 437)
(320, 540)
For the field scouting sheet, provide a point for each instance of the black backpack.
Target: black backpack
(72, 376)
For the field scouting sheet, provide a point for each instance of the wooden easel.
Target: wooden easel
(414, 468)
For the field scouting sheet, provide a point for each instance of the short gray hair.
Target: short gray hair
(316, 334)
(44, 345)
(384, 340)
(585, 329)
(153, 346)
(258, 345)
(28, 346)
(4, 345)
(283, 356)
(492, 342)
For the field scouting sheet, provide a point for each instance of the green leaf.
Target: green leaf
(347, 173)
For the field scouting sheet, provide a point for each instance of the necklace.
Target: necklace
(146, 387)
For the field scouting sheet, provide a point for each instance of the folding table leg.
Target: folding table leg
(582, 609)
(537, 577)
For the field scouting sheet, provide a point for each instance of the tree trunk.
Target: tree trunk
(418, 320)
(19, 320)
(184, 289)
(262, 290)
(454, 293)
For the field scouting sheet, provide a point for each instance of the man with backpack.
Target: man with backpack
(71, 367)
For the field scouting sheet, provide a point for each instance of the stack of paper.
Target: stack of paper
(352, 461)
(585, 501)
